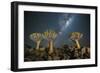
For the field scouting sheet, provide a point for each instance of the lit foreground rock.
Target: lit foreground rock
(65, 53)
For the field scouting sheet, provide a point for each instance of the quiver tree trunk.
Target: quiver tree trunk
(77, 44)
(37, 45)
(50, 46)
(75, 36)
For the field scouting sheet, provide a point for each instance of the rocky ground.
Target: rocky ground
(65, 53)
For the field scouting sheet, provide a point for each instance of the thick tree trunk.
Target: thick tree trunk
(77, 44)
(50, 46)
(38, 44)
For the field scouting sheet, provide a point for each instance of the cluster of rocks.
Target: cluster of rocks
(65, 53)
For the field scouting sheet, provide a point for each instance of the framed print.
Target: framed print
(52, 36)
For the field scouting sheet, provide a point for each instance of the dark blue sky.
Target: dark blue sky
(62, 23)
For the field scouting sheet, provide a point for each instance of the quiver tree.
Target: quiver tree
(36, 37)
(50, 36)
(75, 36)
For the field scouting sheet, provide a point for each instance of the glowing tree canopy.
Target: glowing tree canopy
(76, 37)
(36, 37)
(50, 35)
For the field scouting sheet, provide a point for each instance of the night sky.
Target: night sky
(62, 23)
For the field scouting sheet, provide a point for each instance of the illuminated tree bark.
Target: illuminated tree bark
(51, 46)
(38, 43)
(77, 43)
(36, 37)
(76, 37)
(50, 36)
